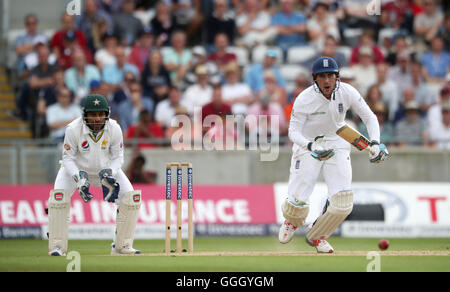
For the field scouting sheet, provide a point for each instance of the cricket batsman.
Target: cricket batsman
(93, 154)
(318, 112)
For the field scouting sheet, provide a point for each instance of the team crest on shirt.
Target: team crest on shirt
(85, 145)
(104, 144)
(341, 108)
(67, 147)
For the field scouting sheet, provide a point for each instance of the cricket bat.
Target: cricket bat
(355, 138)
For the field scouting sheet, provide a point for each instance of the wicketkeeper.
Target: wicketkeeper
(93, 155)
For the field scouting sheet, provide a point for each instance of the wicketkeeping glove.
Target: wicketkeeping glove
(82, 181)
(381, 152)
(318, 152)
(110, 186)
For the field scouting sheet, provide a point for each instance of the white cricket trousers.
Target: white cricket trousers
(305, 170)
(65, 181)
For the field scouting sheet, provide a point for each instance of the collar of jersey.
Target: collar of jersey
(86, 131)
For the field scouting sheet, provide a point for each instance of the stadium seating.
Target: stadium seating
(300, 54)
(259, 51)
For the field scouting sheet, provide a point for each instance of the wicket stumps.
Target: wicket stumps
(179, 166)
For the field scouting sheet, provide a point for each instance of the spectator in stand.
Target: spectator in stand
(166, 110)
(290, 25)
(255, 74)
(136, 173)
(400, 14)
(129, 109)
(435, 112)
(400, 45)
(424, 96)
(268, 109)
(427, 24)
(106, 55)
(436, 61)
(301, 83)
(221, 57)
(445, 32)
(110, 6)
(408, 96)
(155, 76)
(41, 80)
(145, 128)
(49, 95)
(367, 40)
(31, 59)
(387, 131)
(235, 93)
(254, 25)
(88, 23)
(389, 90)
(189, 18)
(101, 29)
(347, 75)
(126, 25)
(60, 114)
(400, 74)
(177, 58)
(66, 39)
(114, 74)
(356, 15)
(122, 93)
(78, 78)
(329, 50)
(220, 21)
(142, 48)
(440, 132)
(25, 44)
(200, 58)
(365, 70)
(217, 106)
(214, 123)
(373, 96)
(200, 93)
(322, 24)
(163, 24)
(412, 129)
(277, 93)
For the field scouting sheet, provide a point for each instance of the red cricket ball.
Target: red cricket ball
(383, 244)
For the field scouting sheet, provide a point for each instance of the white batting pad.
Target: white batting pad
(341, 205)
(296, 215)
(127, 217)
(58, 219)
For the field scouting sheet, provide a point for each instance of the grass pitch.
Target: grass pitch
(235, 254)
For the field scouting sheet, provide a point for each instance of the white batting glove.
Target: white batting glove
(381, 152)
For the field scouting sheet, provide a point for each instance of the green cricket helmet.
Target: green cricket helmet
(95, 103)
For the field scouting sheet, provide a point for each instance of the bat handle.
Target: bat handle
(370, 149)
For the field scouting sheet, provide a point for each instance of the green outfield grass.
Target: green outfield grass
(265, 254)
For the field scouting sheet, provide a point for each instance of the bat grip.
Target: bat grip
(370, 149)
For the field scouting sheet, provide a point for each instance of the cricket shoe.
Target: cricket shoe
(57, 252)
(124, 250)
(287, 231)
(321, 245)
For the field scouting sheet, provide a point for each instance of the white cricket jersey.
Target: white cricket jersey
(83, 151)
(314, 115)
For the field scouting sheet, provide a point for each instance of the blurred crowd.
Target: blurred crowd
(155, 60)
